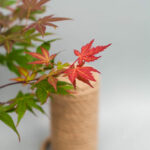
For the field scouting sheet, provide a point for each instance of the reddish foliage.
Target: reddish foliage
(82, 73)
(33, 5)
(43, 59)
(41, 24)
(87, 52)
(86, 55)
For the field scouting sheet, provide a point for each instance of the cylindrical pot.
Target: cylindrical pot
(74, 119)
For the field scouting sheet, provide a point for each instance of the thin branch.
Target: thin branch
(26, 82)
(8, 102)
(9, 84)
(18, 82)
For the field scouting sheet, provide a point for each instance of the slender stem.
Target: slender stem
(21, 82)
(9, 84)
(18, 82)
(8, 102)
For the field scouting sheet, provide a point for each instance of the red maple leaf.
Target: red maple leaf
(87, 53)
(33, 4)
(81, 73)
(40, 25)
(43, 59)
(53, 81)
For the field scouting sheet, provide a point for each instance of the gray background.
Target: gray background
(125, 66)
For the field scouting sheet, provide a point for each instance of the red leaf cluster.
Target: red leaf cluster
(87, 52)
(75, 71)
(80, 72)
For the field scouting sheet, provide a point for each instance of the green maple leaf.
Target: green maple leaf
(22, 103)
(26, 102)
(46, 45)
(16, 57)
(43, 89)
(5, 3)
(2, 59)
(42, 95)
(6, 119)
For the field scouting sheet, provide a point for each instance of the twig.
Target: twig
(18, 82)
(21, 82)
(8, 102)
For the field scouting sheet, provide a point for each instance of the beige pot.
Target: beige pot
(74, 119)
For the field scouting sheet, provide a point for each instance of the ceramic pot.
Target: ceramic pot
(74, 119)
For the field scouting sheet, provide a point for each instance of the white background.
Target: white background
(125, 66)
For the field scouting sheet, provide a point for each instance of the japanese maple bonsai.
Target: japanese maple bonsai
(39, 69)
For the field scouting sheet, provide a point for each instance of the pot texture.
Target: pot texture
(74, 119)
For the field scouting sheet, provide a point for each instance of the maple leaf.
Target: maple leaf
(81, 73)
(9, 40)
(87, 53)
(53, 81)
(40, 25)
(45, 58)
(34, 4)
(25, 75)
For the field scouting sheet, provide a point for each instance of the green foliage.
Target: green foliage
(63, 88)
(46, 45)
(15, 58)
(2, 59)
(20, 30)
(41, 94)
(20, 104)
(5, 118)
(14, 29)
(5, 3)
(60, 65)
(24, 102)
(43, 89)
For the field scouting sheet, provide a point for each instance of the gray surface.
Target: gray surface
(125, 67)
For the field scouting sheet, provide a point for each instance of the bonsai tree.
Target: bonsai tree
(20, 31)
